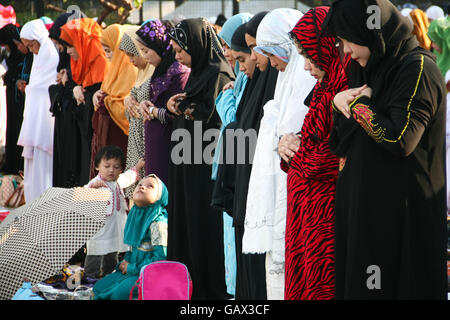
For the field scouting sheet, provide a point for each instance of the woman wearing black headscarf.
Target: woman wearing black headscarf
(390, 134)
(66, 143)
(251, 271)
(19, 64)
(195, 228)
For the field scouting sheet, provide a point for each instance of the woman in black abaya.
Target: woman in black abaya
(390, 135)
(195, 228)
(66, 143)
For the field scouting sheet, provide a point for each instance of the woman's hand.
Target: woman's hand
(344, 98)
(21, 85)
(144, 108)
(174, 102)
(229, 85)
(96, 98)
(78, 94)
(188, 114)
(140, 164)
(123, 266)
(288, 146)
(132, 106)
(64, 77)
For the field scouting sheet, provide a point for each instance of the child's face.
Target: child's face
(110, 169)
(146, 192)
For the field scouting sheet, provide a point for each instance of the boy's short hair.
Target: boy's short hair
(110, 152)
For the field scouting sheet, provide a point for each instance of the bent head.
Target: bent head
(246, 64)
(359, 53)
(181, 55)
(261, 61)
(32, 45)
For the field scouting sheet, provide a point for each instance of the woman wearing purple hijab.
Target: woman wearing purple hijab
(168, 79)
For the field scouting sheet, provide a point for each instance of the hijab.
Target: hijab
(129, 44)
(9, 33)
(386, 44)
(230, 26)
(253, 23)
(199, 40)
(55, 30)
(272, 35)
(266, 216)
(323, 52)
(119, 79)
(140, 218)
(389, 45)
(420, 21)
(154, 35)
(38, 124)
(238, 42)
(84, 35)
(55, 33)
(439, 33)
(228, 29)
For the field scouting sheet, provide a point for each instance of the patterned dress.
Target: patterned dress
(312, 174)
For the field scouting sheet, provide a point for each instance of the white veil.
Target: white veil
(38, 123)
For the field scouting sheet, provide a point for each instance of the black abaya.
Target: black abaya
(391, 191)
(195, 228)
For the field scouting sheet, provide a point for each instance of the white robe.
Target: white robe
(265, 220)
(110, 237)
(36, 134)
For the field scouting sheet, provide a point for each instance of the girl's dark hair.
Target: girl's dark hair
(110, 152)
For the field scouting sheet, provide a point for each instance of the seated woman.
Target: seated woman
(146, 234)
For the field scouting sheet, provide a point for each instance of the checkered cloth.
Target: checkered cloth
(37, 239)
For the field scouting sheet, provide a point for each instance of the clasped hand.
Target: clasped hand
(343, 99)
(288, 146)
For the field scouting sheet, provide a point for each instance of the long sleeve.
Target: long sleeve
(203, 103)
(158, 238)
(314, 159)
(158, 253)
(400, 125)
(177, 83)
(226, 106)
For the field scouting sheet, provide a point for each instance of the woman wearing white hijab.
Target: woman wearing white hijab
(36, 134)
(265, 220)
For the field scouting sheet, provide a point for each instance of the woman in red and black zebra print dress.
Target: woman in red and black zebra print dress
(313, 169)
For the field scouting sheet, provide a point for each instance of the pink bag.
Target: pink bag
(164, 280)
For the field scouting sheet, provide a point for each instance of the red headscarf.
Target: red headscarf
(84, 35)
(323, 52)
